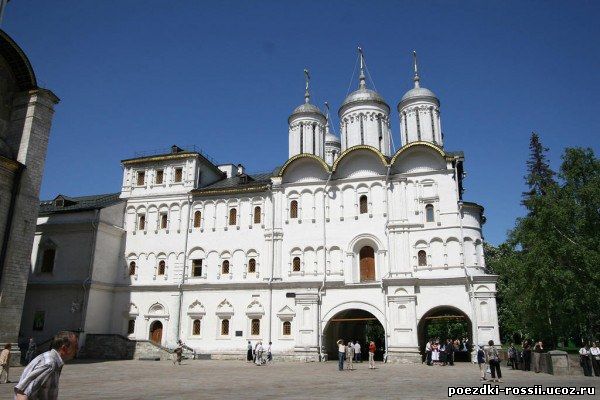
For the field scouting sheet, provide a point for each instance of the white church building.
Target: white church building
(346, 233)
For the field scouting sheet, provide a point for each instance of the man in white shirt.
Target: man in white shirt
(357, 353)
(595, 354)
(584, 360)
(40, 378)
(259, 353)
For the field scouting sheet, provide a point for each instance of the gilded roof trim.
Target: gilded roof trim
(200, 192)
(352, 149)
(418, 144)
(289, 162)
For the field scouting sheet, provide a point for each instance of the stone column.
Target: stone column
(403, 343)
(307, 340)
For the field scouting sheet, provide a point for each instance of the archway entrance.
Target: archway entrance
(447, 322)
(156, 332)
(367, 264)
(354, 324)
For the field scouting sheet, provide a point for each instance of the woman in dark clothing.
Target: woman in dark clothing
(526, 356)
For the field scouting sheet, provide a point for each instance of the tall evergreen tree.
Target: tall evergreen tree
(540, 177)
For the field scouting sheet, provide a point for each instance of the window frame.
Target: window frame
(223, 263)
(299, 268)
(142, 174)
(429, 211)
(47, 268)
(178, 175)
(283, 328)
(161, 272)
(193, 333)
(232, 217)
(142, 223)
(197, 220)
(222, 324)
(194, 266)
(252, 264)
(419, 253)
(132, 264)
(161, 173)
(257, 217)
(364, 203)
(294, 206)
(255, 322)
(130, 328)
(164, 221)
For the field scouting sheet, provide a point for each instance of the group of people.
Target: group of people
(530, 354)
(40, 377)
(489, 357)
(440, 352)
(589, 359)
(352, 352)
(259, 354)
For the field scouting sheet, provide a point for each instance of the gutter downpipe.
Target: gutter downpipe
(320, 322)
(468, 277)
(185, 249)
(387, 234)
(272, 261)
(88, 281)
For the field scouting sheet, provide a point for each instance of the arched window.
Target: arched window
(48, 261)
(142, 222)
(287, 328)
(294, 209)
(196, 327)
(132, 268)
(161, 267)
(422, 257)
(364, 204)
(232, 216)
(296, 264)
(257, 215)
(252, 265)
(367, 264)
(130, 326)
(429, 216)
(225, 327)
(225, 267)
(255, 328)
(163, 221)
(197, 219)
(197, 267)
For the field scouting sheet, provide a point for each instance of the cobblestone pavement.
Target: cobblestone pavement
(285, 380)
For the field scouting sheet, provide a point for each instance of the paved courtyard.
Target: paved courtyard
(239, 380)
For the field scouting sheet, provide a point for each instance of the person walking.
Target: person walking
(493, 360)
(357, 352)
(341, 354)
(538, 349)
(249, 352)
(428, 352)
(584, 360)
(526, 356)
(372, 349)
(5, 363)
(481, 362)
(258, 353)
(178, 353)
(350, 356)
(40, 378)
(269, 354)
(31, 350)
(595, 356)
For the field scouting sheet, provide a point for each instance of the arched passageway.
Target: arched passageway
(156, 332)
(446, 322)
(355, 325)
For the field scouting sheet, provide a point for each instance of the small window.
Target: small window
(197, 268)
(164, 219)
(252, 265)
(142, 222)
(48, 261)
(160, 176)
(39, 319)
(422, 256)
(197, 219)
(257, 215)
(287, 328)
(225, 327)
(196, 327)
(225, 267)
(232, 216)
(364, 204)
(178, 174)
(296, 264)
(131, 326)
(161, 267)
(132, 268)
(294, 209)
(255, 329)
(141, 178)
(429, 213)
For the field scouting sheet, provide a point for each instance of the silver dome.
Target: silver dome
(364, 95)
(307, 108)
(418, 93)
(331, 138)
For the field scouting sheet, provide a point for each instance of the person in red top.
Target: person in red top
(371, 355)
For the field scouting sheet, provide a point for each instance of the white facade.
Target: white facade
(218, 260)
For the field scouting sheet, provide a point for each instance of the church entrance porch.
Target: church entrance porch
(446, 322)
(354, 324)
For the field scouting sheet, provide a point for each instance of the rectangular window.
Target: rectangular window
(197, 268)
(142, 222)
(163, 221)
(225, 327)
(255, 328)
(160, 174)
(178, 174)
(141, 178)
(130, 326)
(48, 261)
(39, 318)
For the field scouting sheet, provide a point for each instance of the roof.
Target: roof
(175, 153)
(19, 63)
(363, 95)
(419, 93)
(240, 183)
(81, 203)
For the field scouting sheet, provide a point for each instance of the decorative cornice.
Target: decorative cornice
(163, 157)
(383, 158)
(289, 162)
(405, 148)
(234, 190)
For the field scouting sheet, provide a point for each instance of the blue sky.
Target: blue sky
(142, 75)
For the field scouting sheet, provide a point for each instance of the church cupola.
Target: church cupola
(419, 111)
(307, 127)
(364, 117)
(333, 147)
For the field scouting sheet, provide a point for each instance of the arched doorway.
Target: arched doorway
(354, 324)
(446, 322)
(367, 264)
(156, 332)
